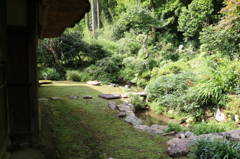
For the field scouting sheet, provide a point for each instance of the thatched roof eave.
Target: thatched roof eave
(54, 16)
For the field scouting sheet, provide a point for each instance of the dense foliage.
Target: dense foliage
(214, 148)
(184, 53)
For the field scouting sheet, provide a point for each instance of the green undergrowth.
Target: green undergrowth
(88, 128)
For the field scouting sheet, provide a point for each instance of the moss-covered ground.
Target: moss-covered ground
(88, 128)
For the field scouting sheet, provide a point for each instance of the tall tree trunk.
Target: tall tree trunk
(98, 14)
(154, 35)
(93, 19)
(87, 20)
(50, 48)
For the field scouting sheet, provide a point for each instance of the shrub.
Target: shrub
(167, 84)
(73, 75)
(212, 127)
(224, 41)
(215, 148)
(174, 126)
(233, 105)
(48, 74)
(85, 76)
(137, 102)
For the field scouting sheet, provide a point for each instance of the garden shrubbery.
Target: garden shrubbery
(73, 75)
(215, 148)
(48, 74)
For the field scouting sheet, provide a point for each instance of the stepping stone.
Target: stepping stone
(56, 98)
(45, 81)
(42, 99)
(112, 105)
(110, 96)
(73, 97)
(94, 83)
(87, 97)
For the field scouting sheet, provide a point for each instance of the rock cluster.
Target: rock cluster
(180, 146)
(126, 110)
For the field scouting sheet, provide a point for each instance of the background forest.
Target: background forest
(184, 53)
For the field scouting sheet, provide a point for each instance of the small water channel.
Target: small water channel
(150, 118)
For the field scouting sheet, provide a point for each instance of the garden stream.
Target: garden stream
(150, 118)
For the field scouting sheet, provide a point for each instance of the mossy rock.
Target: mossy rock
(45, 82)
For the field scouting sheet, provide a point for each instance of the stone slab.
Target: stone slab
(87, 97)
(110, 96)
(42, 99)
(94, 83)
(73, 97)
(56, 98)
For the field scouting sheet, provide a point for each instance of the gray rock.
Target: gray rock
(236, 118)
(171, 133)
(219, 115)
(182, 136)
(95, 83)
(180, 147)
(73, 97)
(124, 95)
(112, 105)
(127, 86)
(132, 119)
(42, 99)
(130, 113)
(172, 141)
(142, 127)
(110, 96)
(157, 129)
(188, 134)
(141, 94)
(181, 47)
(87, 97)
(56, 98)
(122, 114)
(231, 133)
(113, 85)
(124, 108)
(179, 134)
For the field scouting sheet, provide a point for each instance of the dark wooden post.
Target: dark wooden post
(3, 100)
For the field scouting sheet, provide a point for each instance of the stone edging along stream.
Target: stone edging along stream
(178, 146)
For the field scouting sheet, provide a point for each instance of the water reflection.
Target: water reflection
(150, 118)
